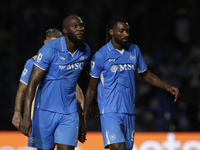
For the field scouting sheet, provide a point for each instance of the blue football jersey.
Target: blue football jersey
(116, 88)
(56, 92)
(27, 71)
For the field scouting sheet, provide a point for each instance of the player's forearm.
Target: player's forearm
(20, 97)
(29, 96)
(79, 94)
(18, 101)
(155, 81)
(88, 100)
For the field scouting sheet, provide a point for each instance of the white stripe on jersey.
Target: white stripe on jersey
(39, 67)
(102, 78)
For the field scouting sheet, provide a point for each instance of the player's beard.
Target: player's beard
(73, 38)
(120, 42)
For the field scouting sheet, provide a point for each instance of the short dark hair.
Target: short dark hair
(111, 24)
(53, 32)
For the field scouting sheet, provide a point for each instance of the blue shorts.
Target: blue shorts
(118, 128)
(50, 128)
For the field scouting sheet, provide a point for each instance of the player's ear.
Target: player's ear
(64, 30)
(111, 32)
(45, 41)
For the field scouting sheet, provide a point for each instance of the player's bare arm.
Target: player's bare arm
(155, 81)
(35, 77)
(89, 98)
(79, 96)
(17, 118)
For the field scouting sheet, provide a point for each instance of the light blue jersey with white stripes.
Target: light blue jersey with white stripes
(116, 70)
(56, 91)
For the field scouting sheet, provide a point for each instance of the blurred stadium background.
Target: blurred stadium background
(167, 32)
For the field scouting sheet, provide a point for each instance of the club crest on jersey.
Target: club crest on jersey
(39, 58)
(24, 72)
(33, 140)
(112, 137)
(81, 58)
(92, 65)
(132, 57)
(114, 69)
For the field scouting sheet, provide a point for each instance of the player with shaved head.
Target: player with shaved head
(56, 69)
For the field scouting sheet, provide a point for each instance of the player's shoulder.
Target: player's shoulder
(30, 61)
(132, 47)
(101, 53)
(50, 47)
(103, 50)
(54, 44)
(84, 47)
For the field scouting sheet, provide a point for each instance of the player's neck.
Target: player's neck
(71, 46)
(117, 46)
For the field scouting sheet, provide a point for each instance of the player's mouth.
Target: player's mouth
(124, 39)
(79, 34)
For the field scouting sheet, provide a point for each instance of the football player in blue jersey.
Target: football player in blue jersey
(112, 74)
(56, 69)
(50, 35)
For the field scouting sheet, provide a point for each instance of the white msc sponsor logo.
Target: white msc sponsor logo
(112, 137)
(127, 67)
(81, 58)
(75, 66)
(92, 65)
(132, 57)
(123, 67)
(62, 58)
(24, 72)
(33, 140)
(114, 69)
(39, 58)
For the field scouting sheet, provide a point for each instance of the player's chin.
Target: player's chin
(80, 40)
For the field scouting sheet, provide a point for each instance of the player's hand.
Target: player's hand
(25, 126)
(82, 133)
(174, 91)
(82, 105)
(16, 120)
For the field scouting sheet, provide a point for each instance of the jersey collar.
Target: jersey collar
(63, 44)
(81, 46)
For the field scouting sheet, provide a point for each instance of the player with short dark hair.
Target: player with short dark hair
(113, 70)
(51, 34)
(56, 68)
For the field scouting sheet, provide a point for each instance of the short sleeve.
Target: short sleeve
(26, 71)
(96, 65)
(141, 66)
(44, 57)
